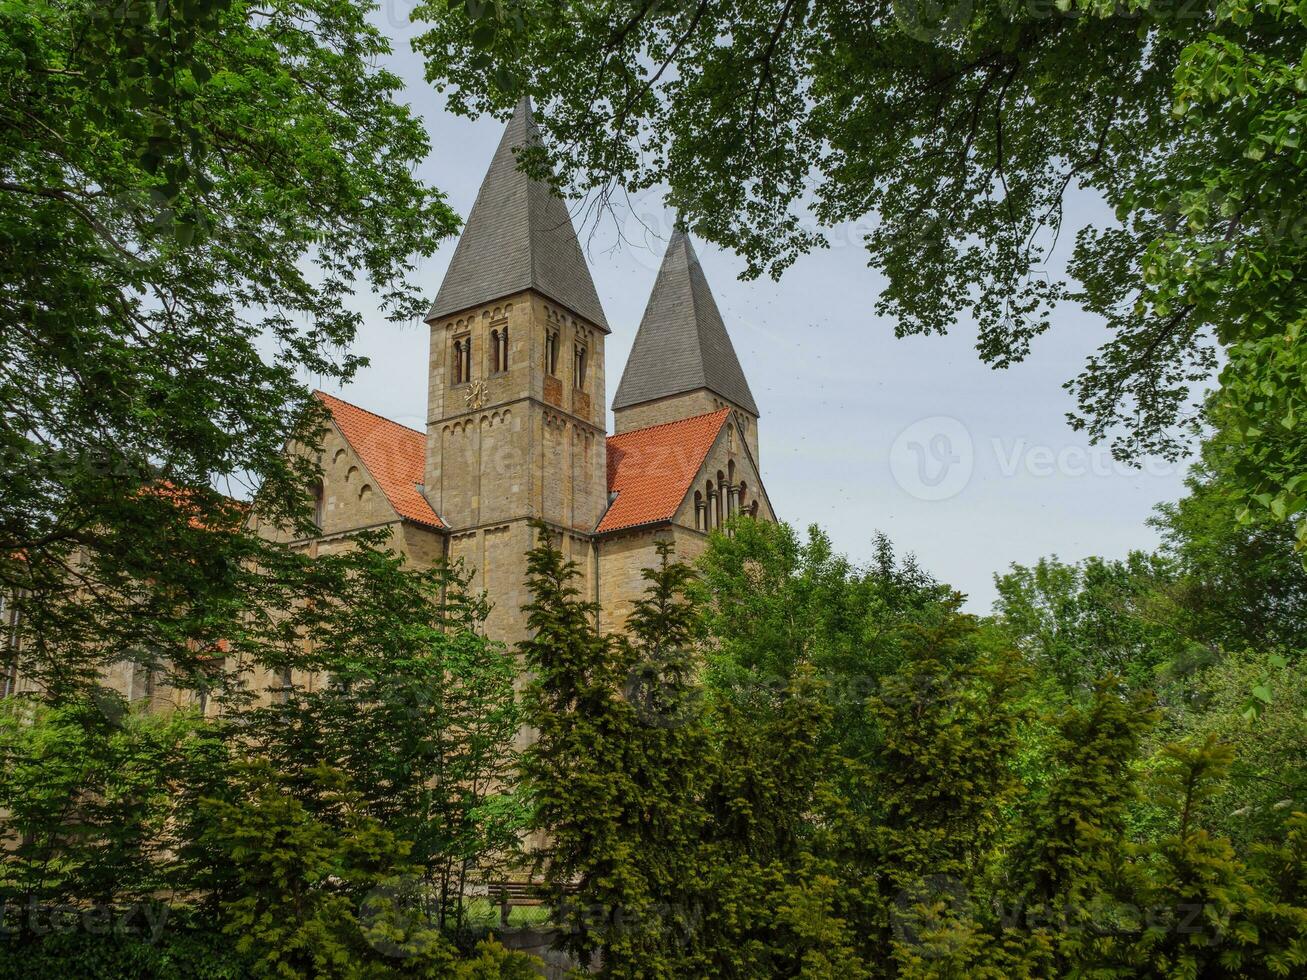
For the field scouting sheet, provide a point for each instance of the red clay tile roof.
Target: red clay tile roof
(651, 469)
(394, 454)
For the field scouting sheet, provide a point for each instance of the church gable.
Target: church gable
(380, 459)
(727, 483)
(651, 470)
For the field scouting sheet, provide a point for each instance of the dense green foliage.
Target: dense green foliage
(964, 127)
(329, 833)
(189, 194)
(882, 786)
(788, 766)
(868, 782)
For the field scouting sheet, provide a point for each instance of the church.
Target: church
(517, 411)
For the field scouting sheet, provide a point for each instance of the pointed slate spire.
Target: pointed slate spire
(518, 236)
(682, 344)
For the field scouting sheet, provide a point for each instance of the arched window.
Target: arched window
(753, 510)
(9, 623)
(282, 685)
(462, 360)
(141, 682)
(499, 350)
(551, 352)
(709, 506)
(578, 368)
(700, 512)
(319, 509)
(732, 491)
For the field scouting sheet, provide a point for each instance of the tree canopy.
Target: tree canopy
(963, 127)
(189, 194)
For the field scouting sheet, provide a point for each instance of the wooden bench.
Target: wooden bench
(519, 894)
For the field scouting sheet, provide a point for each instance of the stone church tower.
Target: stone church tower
(516, 398)
(683, 362)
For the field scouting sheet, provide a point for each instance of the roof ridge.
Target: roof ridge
(368, 411)
(663, 425)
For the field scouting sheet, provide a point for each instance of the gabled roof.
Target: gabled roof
(518, 236)
(651, 469)
(394, 454)
(682, 344)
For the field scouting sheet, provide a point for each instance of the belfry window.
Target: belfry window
(499, 349)
(551, 352)
(462, 360)
(8, 647)
(578, 368)
(318, 509)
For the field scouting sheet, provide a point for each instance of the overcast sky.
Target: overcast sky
(970, 469)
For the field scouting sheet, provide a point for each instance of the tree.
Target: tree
(775, 900)
(1239, 584)
(87, 797)
(1075, 835)
(771, 603)
(1256, 704)
(964, 127)
(418, 712)
(189, 194)
(1079, 624)
(576, 774)
(669, 759)
(321, 894)
(1217, 585)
